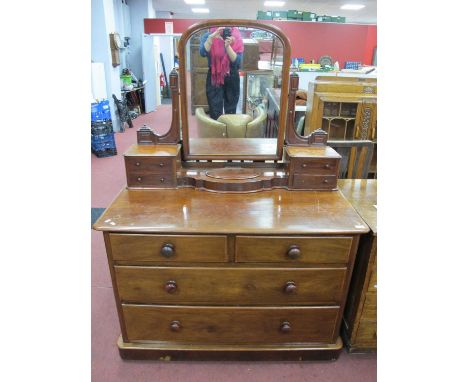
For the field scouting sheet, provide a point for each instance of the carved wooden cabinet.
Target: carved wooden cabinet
(345, 107)
(360, 317)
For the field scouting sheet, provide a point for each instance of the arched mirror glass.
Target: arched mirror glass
(233, 86)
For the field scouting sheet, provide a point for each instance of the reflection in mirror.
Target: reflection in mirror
(338, 120)
(235, 78)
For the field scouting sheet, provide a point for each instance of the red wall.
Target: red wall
(343, 42)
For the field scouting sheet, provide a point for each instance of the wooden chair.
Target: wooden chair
(356, 158)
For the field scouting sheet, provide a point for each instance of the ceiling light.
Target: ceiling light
(200, 10)
(194, 2)
(274, 3)
(352, 7)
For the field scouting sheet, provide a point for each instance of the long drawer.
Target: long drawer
(246, 325)
(319, 250)
(167, 248)
(237, 286)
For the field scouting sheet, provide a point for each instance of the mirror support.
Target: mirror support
(317, 138)
(300, 163)
(146, 136)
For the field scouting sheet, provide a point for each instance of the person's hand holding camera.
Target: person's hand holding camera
(228, 41)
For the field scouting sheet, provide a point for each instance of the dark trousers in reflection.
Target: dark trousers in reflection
(226, 95)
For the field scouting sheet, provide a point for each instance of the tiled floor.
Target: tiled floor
(108, 177)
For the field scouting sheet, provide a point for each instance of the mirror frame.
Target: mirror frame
(284, 87)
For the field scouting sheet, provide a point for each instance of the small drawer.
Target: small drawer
(230, 286)
(165, 248)
(369, 311)
(316, 166)
(236, 325)
(153, 165)
(274, 249)
(315, 182)
(135, 179)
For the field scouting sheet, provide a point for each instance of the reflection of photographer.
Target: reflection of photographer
(224, 48)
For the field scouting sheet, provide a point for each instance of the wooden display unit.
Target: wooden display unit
(360, 316)
(257, 268)
(345, 107)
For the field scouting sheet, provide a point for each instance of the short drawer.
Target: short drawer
(168, 248)
(153, 165)
(316, 182)
(135, 179)
(225, 286)
(369, 311)
(317, 166)
(268, 249)
(246, 325)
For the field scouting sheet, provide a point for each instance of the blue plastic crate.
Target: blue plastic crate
(104, 109)
(95, 112)
(101, 127)
(100, 111)
(353, 65)
(102, 142)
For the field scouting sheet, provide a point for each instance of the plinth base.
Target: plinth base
(187, 352)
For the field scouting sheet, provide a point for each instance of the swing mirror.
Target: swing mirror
(233, 90)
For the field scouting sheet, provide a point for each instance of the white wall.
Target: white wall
(109, 16)
(103, 23)
(139, 10)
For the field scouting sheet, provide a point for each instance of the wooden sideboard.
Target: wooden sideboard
(200, 275)
(360, 318)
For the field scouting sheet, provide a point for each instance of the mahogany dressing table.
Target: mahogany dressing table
(230, 248)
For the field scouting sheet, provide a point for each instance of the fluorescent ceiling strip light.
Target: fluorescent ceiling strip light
(274, 3)
(352, 7)
(200, 10)
(195, 2)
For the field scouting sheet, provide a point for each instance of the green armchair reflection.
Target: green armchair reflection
(231, 125)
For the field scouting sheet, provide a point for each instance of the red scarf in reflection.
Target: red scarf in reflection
(219, 58)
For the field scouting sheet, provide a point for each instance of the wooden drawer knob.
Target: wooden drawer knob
(325, 181)
(285, 327)
(161, 164)
(137, 163)
(304, 165)
(162, 180)
(139, 179)
(175, 326)
(294, 252)
(327, 165)
(167, 250)
(290, 287)
(171, 286)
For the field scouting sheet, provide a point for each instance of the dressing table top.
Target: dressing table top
(362, 194)
(186, 210)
